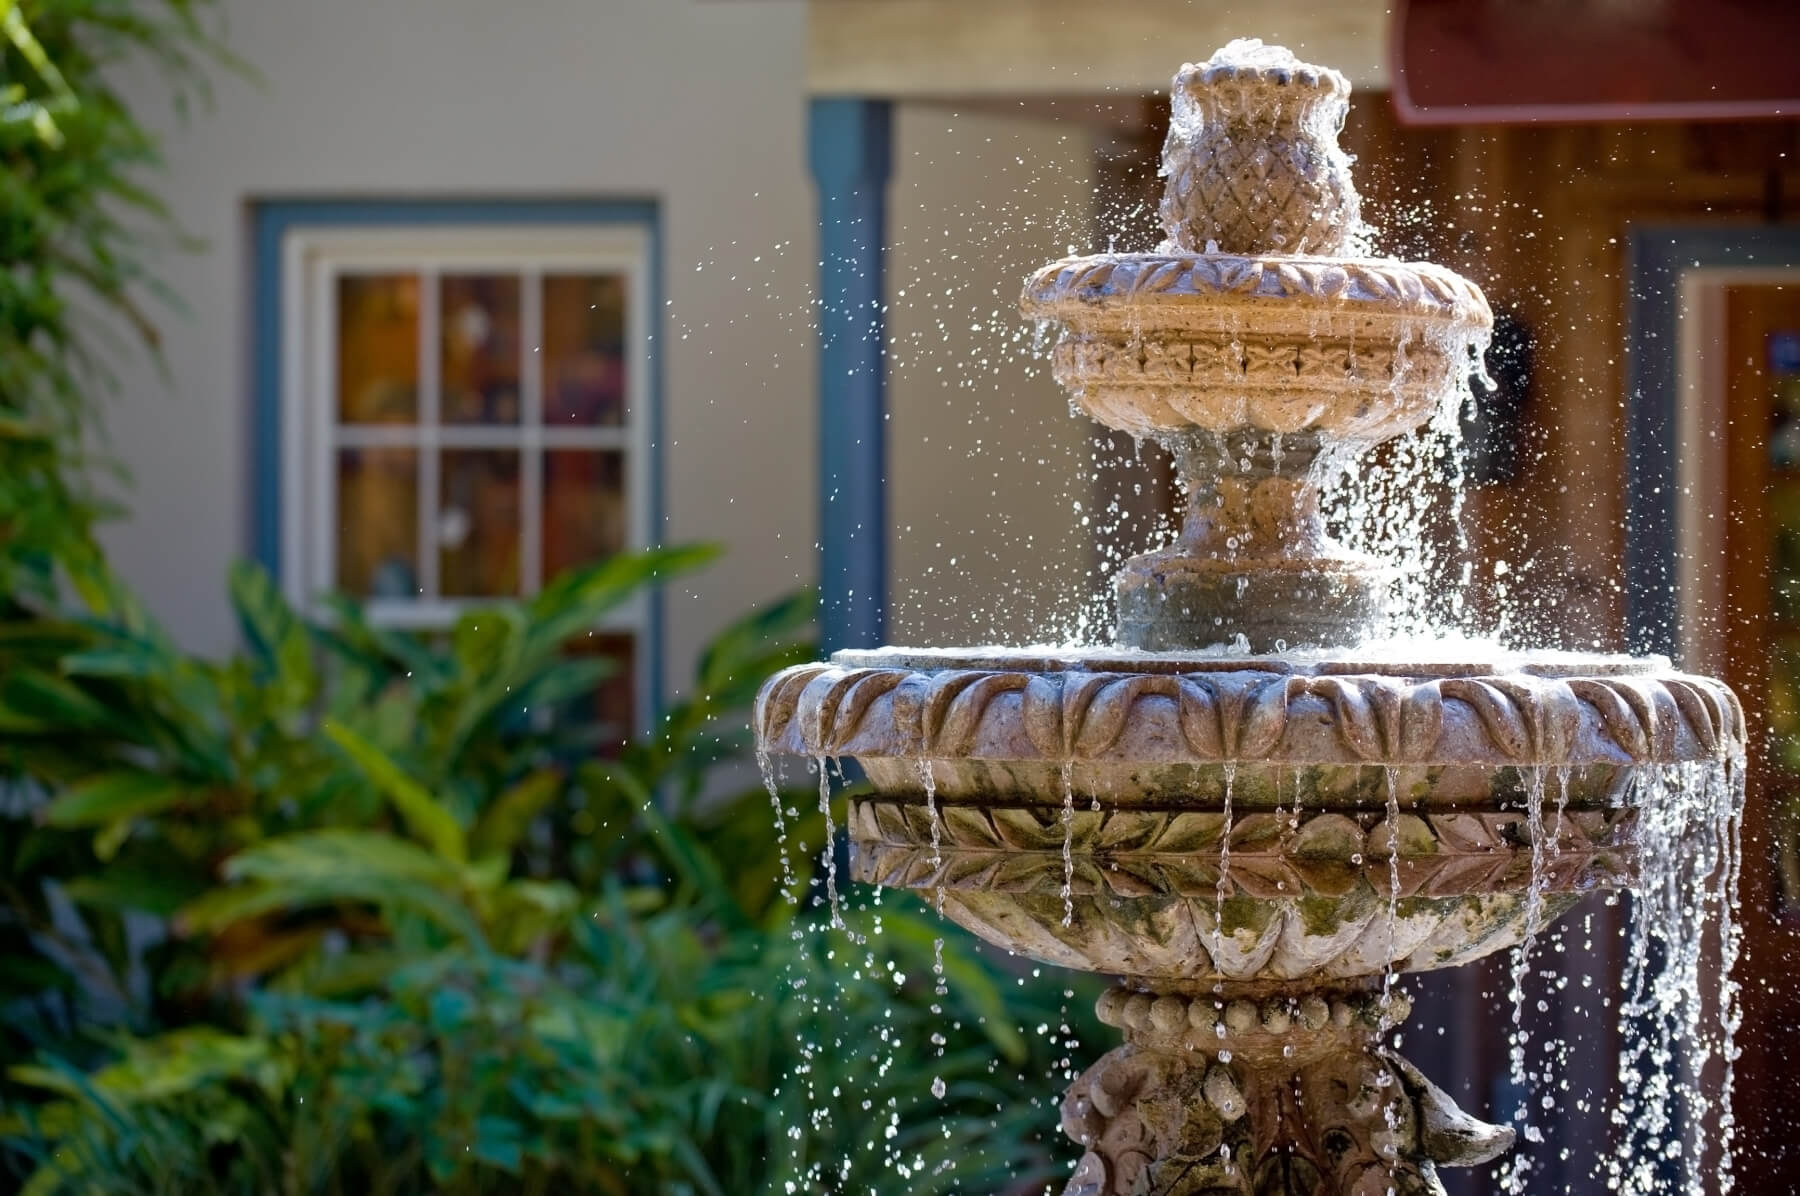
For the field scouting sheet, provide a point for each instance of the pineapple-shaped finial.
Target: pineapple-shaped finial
(1252, 158)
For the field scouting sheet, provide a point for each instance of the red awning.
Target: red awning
(1514, 61)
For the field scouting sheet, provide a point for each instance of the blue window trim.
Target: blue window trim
(1657, 256)
(272, 219)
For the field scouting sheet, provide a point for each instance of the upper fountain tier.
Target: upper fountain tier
(1249, 342)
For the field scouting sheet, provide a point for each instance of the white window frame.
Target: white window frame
(313, 259)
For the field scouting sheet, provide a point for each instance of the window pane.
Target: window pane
(378, 522)
(480, 348)
(378, 348)
(478, 523)
(584, 507)
(584, 349)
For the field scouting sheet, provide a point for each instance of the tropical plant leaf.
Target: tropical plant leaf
(423, 815)
(52, 699)
(504, 822)
(323, 857)
(277, 638)
(154, 886)
(685, 856)
(112, 796)
(746, 642)
(574, 601)
(486, 642)
(224, 908)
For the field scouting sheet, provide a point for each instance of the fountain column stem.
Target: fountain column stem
(1253, 557)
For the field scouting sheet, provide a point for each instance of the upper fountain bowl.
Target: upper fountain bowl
(1261, 348)
(1258, 313)
(1351, 349)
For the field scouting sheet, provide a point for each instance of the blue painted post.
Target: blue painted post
(849, 146)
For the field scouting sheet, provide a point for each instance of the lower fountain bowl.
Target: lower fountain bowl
(1185, 818)
(1178, 895)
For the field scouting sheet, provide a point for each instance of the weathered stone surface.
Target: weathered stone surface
(1231, 1107)
(1196, 709)
(1235, 332)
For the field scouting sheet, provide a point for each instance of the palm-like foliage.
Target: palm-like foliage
(379, 837)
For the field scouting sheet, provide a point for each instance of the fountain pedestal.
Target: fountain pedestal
(1258, 842)
(1267, 1090)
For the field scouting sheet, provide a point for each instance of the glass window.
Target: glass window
(378, 348)
(475, 423)
(479, 339)
(584, 349)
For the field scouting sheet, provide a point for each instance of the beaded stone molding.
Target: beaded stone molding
(871, 704)
(1253, 1024)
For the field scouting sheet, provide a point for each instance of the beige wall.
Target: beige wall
(985, 460)
(699, 105)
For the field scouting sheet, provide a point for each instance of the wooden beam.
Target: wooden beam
(908, 49)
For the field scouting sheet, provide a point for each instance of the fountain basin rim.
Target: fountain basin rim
(1302, 662)
(1084, 289)
(1177, 709)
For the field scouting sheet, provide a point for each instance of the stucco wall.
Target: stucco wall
(985, 461)
(696, 104)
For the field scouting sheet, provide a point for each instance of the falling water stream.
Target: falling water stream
(830, 848)
(1068, 842)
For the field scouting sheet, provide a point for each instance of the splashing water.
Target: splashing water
(1399, 513)
(1513, 1174)
(1224, 885)
(1675, 1069)
(1393, 910)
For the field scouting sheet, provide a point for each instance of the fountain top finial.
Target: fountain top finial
(1252, 159)
(1249, 60)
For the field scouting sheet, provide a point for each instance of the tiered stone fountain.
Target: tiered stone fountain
(1255, 840)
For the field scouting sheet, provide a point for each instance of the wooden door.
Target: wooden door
(1762, 663)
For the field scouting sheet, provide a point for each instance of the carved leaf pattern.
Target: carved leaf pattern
(1241, 715)
(1136, 852)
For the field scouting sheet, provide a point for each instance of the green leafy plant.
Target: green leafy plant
(74, 222)
(435, 1005)
(159, 767)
